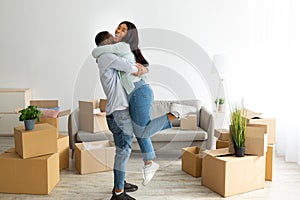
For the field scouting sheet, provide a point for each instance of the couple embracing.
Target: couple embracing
(123, 70)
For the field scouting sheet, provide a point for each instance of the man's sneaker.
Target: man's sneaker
(179, 110)
(128, 187)
(122, 196)
(148, 172)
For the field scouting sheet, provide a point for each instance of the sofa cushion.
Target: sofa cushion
(174, 134)
(177, 135)
(182, 108)
(161, 107)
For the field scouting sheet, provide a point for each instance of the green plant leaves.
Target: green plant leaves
(31, 112)
(221, 101)
(238, 127)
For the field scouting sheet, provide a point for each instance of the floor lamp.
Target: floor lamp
(219, 63)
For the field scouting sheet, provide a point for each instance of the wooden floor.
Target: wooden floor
(168, 183)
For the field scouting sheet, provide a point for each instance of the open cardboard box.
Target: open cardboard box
(88, 120)
(191, 161)
(229, 175)
(93, 157)
(50, 104)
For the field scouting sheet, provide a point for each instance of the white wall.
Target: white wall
(45, 45)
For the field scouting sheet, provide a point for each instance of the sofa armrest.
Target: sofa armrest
(73, 127)
(207, 123)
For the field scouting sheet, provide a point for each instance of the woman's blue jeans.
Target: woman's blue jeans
(140, 103)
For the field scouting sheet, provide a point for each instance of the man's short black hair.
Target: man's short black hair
(100, 37)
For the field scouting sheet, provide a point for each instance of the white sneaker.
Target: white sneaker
(179, 110)
(148, 172)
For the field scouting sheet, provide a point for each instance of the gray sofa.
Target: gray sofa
(170, 139)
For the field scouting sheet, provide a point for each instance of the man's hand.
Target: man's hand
(141, 70)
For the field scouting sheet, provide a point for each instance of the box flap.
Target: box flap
(101, 114)
(64, 113)
(193, 149)
(102, 104)
(44, 103)
(219, 132)
(249, 114)
(94, 103)
(218, 152)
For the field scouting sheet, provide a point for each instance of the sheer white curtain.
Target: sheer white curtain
(278, 32)
(291, 150)
(266, 69)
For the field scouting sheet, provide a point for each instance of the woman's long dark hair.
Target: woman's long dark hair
(132, 38)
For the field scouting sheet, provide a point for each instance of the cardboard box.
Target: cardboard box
(249, 114)
(37, 175)
(93, 157)
(271, 127)
(102, 105)
(50, 104)
(222, 144)
(270, 157)
(222, 134)
(40, 141)
(189, 122)
(191, 161)
(91, 122)
(63, 151)
(52, 121)
(256, 140)
(257, 118)
(229, 175)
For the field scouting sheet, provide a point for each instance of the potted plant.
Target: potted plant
(29, 115)
(238, 131)
(220, 105)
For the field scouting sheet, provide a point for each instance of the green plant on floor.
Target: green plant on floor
(238, 127)
(29, 113)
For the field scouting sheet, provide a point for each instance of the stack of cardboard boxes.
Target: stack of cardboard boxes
(62, 140)
(96, 156)
(254, 119)
(223, 136)
(228, 175)
(33, 166)
(257, 118)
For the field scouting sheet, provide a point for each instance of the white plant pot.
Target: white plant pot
(221, 108)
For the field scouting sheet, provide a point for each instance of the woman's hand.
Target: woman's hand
(141, 70)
